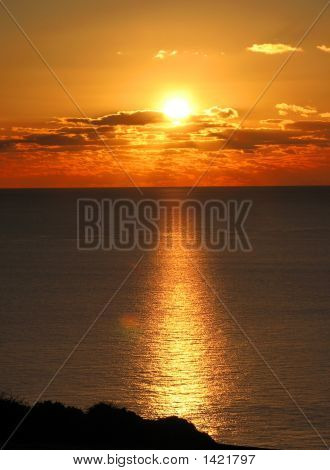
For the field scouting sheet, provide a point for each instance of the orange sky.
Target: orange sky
(120, 61)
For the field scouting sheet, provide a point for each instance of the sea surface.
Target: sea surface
(236, 342)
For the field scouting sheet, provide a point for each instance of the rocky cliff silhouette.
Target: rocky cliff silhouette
(52, 425)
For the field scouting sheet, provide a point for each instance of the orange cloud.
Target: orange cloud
(222, 113)
(155, 152)
(323, 48)
(284, 109)
(164, 54)
(271, 49)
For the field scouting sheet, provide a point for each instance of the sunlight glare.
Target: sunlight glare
(177, 108)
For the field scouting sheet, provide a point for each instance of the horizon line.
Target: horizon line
(13, 188)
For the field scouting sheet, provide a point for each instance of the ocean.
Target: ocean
(235, 341)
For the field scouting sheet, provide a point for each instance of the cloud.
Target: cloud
(253, 138)
(271, 49)
(323, 48)
(63, 137)
(222, 113)
(6, 144)
(284, 109)
(50, 139)
(316, 127)
(176, 153)
(164, 54)
(273, 121)
(206, 131)
(167, 53)
(325, 115)
(134, 118)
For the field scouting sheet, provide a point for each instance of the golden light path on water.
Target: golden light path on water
(183, 373)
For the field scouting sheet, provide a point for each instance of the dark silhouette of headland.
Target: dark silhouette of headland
(51, 425)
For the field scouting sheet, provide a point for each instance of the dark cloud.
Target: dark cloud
(54, 139)
(272, 121)
(309, 125)
(136, 118)
(184, 144)
(45, 139)
(77, 130)
(318, 129)
(248, 139)
(204, 135)
(6, 144)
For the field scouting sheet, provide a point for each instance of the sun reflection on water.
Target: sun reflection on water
(181, 353)
(182, 368)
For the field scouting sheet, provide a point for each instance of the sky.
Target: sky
(164, 93)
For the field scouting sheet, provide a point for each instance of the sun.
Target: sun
(177, 108)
